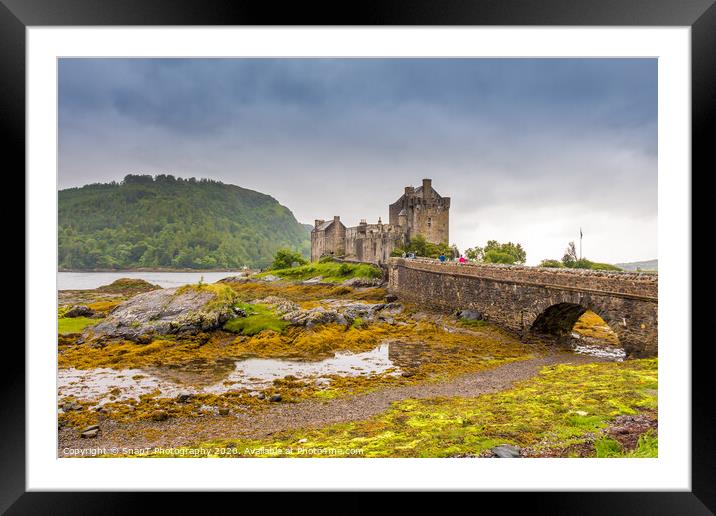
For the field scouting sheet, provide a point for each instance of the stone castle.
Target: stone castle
(419, 211)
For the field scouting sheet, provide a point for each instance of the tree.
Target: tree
(570, 255)
(495, 252)
(286, 258)
(421, 247)
(171, 222)
(494, 256)
(475, 253)
(570, 260)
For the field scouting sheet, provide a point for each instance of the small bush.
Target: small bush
(286, 258)
(583, 263)
(605, 267)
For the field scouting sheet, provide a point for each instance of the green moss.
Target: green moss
(67, 325)
(258, 318)
(472, 323)
(331, 272)
(560, 408)
(223, 294)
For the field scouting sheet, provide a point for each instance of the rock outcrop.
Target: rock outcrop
(79, 311)
(363, 282)
(183, 310)
(336, 311)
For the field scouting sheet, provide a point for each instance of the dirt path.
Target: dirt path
(307, 414)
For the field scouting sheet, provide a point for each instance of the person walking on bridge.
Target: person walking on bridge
(441, 258)
(462, 259)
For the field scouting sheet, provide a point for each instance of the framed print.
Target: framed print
(378, 253)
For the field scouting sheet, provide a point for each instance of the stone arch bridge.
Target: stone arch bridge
(536, 300)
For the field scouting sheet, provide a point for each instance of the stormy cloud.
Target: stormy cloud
(530, 150)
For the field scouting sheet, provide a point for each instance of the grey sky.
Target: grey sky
(528, 149)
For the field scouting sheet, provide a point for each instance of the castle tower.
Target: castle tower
(422, 211)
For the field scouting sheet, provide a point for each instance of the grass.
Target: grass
(564, 406)
(66, 325)
(258, 318)
(646, 447)
(331, 272)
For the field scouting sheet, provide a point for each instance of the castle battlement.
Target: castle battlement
(419, 211)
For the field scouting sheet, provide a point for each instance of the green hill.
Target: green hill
(168, 222)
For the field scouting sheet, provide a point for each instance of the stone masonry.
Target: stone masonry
(535, 300)
(419, 211)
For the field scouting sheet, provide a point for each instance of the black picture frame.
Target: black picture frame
(700, 15)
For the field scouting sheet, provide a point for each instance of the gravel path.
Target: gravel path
(306, 414)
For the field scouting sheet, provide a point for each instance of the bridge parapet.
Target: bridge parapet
(624, 284)
(528, 300)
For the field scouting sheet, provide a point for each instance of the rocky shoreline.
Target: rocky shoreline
(248, 357)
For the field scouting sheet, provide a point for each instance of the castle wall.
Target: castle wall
(372, 242)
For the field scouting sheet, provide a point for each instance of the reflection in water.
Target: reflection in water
(408, 354)
(104, 385)
(197, 373)
(255, 372)
(601, 351)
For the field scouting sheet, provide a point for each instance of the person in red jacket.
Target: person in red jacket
(462, 259)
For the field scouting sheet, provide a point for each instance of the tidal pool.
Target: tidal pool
(103, 385)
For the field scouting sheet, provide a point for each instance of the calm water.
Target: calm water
(253, 374)
(88, 280)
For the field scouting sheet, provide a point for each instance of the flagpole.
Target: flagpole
(580, 243)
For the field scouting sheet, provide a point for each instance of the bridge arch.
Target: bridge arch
(558, 322)
(559, 310)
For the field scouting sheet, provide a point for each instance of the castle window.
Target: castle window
(430, 221)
